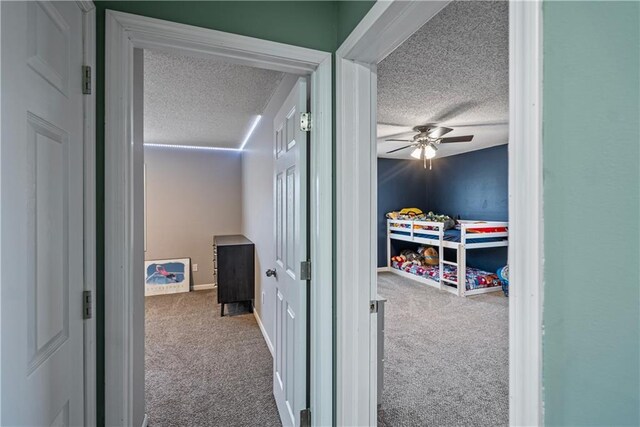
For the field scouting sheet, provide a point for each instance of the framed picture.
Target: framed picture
(167, 276)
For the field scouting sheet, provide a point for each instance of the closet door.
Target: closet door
(42, 214)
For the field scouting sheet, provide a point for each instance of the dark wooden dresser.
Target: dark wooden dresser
(234, 267)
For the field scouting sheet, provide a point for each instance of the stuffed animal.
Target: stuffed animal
(410, 255)
(412, 212)
(429, 255)
(407, 214)
(449, 223)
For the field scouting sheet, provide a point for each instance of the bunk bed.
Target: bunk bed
(447, 275)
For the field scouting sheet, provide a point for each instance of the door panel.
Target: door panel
(290, 222)
(41, 222)
(48, 299)
(290, 362)
(279, 222)
(48, 44)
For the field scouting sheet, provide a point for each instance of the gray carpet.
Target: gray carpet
(204, 370)
(447, 357)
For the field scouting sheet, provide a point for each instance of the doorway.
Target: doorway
(125, 233)
(442, 220)
(358, 309)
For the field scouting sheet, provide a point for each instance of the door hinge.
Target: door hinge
(87, 305)
(373, 306)
(305, 417)
(86, 80)
(305, 122)
(305, 270)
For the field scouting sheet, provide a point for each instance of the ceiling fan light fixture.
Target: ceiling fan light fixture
(417, 153)
(430, 151)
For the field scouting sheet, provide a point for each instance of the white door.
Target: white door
(290, 361)
(41, 257)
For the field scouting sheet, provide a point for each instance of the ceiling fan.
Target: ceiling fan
(427, 140)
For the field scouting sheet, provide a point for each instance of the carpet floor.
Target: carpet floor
(446, 357)
(204, 370)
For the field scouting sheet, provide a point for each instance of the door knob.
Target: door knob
(271, 272)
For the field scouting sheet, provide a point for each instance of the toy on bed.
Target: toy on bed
(503, 275)
(429, 255)
(413, 214)
(449, 222)
(408, 258)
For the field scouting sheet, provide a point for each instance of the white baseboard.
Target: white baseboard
(145, 421)
(203, 286)
(264, 331)
(382, 269)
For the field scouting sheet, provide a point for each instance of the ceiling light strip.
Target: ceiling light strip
(191, 147)
(253, 127)
(198, 147)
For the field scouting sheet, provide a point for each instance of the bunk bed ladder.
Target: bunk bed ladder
(440, 258)
(443, 280)
(462, 262)
(388, 245)
(461, 270)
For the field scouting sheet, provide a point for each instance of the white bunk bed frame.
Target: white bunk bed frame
(435, 237)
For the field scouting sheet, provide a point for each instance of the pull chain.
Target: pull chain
(429, 164)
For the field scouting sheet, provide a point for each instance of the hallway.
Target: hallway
(204, 370)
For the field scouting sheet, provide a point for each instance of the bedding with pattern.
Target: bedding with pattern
(415, 214)
(455, 236)
(476, 278)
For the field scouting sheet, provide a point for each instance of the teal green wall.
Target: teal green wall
(311, 24)
(591, 137)
(350, 13)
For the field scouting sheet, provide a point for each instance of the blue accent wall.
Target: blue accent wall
(473, 185)
(401, 184)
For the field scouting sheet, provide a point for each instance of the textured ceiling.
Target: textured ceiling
(203, 102)
(453, 71)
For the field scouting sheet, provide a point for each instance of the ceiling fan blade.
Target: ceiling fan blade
(398, 149)
(465, 138)
(437, 132)
(399, 140)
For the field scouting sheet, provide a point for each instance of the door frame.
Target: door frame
(89, 188)
(126, 32)
(356, 104)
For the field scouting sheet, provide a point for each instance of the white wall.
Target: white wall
(191, 196)
(258, 207)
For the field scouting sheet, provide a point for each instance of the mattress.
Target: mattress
(475, 278)
(453, 235)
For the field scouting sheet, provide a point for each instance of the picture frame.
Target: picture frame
(167, 276)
